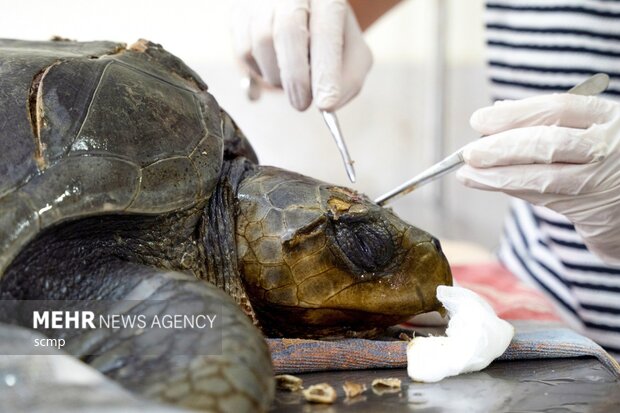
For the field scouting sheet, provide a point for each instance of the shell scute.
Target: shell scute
(95, 128)
(180, 179)
(139, 117)
(68, 188)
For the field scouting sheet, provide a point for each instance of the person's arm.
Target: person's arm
(369, 11)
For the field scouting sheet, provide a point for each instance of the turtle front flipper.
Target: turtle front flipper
(189, 367)
(186, 367)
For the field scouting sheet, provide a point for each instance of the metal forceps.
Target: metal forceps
(590, 87)
(334, 128)
(253, 91)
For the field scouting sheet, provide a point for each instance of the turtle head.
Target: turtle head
(318, 259)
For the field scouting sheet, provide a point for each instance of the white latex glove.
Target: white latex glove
(311, 48)
(560, 151)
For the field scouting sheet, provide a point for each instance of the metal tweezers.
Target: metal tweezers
(334, 127)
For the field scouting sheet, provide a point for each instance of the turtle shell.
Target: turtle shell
(89, 128)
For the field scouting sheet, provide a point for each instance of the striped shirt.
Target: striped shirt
(546, 46)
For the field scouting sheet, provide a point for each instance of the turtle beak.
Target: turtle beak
(407, 289)
(394, 268)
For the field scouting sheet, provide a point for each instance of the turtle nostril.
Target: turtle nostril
(436, 243)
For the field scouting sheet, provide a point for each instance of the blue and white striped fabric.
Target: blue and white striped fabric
(546, 46)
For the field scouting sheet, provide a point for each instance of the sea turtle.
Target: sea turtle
(122, 178)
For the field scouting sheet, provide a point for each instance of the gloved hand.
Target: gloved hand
(560, 151)
(311, 48)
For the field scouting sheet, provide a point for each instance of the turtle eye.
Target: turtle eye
(364, 243)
